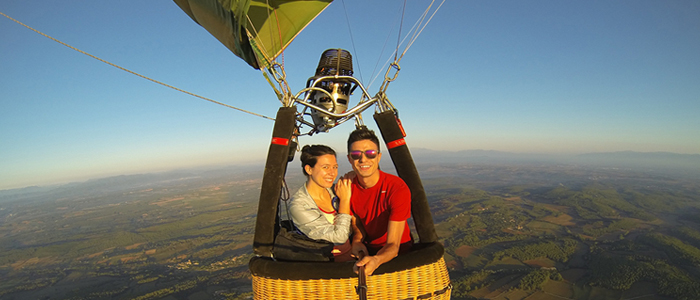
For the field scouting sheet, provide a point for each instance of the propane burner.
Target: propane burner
(336, 63)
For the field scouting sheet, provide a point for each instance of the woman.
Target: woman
(312, 207)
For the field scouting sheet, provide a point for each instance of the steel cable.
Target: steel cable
(134, 73)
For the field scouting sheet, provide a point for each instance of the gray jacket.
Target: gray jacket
(310, 220)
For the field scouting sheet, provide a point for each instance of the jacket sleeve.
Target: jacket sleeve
(310, 221)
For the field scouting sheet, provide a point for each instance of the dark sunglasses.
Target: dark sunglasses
(357, 154)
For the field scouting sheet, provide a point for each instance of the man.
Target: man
(380, 202)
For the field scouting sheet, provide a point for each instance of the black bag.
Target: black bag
(293, 246)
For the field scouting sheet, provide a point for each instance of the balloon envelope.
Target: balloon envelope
(255, 30)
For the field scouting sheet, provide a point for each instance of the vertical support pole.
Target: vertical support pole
(272, 181)
(393, 136)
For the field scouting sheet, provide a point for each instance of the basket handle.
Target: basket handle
(361, 288)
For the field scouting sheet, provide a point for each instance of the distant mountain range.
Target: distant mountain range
(653, 161)
(664, 162)
(650, 160)
(666, 156)
(121, 183)
(423, 155)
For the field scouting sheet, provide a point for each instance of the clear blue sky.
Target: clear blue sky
(518, 76)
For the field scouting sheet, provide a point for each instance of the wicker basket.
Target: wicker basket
(424, 282)
(429, 280)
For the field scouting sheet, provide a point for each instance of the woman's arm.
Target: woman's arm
(309, 219)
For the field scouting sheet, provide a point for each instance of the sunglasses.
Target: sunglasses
(357, 154)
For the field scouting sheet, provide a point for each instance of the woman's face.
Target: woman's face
(324, 172)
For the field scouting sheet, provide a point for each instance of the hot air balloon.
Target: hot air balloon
(258, 31)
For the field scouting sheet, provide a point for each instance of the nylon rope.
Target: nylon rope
(281, 55)
(279, 33)
(137, 74)
(260, 47)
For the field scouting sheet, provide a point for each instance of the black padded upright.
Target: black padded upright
(406, 169)
(272, 181)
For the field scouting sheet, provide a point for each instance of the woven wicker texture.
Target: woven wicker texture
(427, 282)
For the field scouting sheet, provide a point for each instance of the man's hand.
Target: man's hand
(387, 253)
(371, 263)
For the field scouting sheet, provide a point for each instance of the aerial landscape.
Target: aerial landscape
(132, 154)
(512, 229)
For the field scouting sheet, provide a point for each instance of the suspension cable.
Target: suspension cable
(415, 37)
(352, 40)
(134, 73)
(398, 37)
(270, 66)
(415, 31)
(381, 53)
(279, 33)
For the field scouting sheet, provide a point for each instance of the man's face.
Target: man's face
(364, 166)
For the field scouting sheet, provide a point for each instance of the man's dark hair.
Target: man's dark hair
(362, 133)
(309, 155)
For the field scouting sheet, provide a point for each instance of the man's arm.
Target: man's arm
(357, 238)
(388, 252)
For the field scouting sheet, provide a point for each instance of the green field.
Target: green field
(549, 233)
(143, 244)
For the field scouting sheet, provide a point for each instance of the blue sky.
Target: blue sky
(559, 77)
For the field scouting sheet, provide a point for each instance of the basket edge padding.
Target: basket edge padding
(420, 254)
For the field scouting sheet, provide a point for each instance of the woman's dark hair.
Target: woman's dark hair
(360, 134)
(309, 155)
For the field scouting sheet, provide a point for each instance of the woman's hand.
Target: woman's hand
(357, 247)
(343, 189)
(349, 175)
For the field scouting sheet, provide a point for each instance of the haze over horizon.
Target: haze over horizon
(681, 166)
(548, 77)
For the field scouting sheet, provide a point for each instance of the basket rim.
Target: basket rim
(421, 254)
